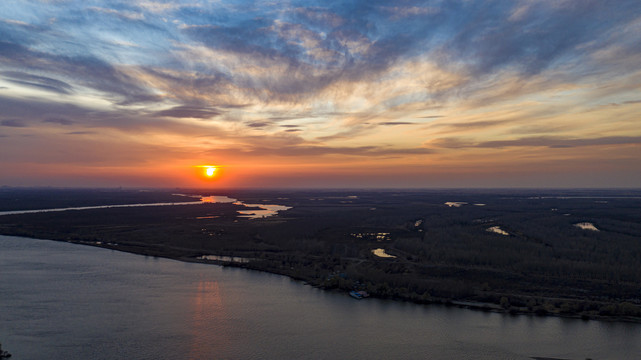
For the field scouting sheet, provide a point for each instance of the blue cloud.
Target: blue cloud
(319, 43)
(189, 112)
(13, 123)
(490, 37)
(59, 120)
(86, 70)
(40, 82)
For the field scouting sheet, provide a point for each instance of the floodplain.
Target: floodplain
(539, 262)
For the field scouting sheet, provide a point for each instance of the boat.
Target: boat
(358, 294)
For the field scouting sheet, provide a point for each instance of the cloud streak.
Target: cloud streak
(41, 82)
(13, 123)
(189, 112)
(542, 141)
(315, 151)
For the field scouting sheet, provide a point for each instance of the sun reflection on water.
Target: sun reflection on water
(207, 309)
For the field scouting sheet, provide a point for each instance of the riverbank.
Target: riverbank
(185, 255)
(165, 309)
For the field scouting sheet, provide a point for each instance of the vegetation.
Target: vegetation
(4, 354)
(545, 265)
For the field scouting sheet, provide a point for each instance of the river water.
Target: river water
(264, 210)
(65, 301)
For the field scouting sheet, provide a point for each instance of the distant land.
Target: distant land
(574, 253)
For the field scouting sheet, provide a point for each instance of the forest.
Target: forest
(547, 252)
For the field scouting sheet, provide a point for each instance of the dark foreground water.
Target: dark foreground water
(64, 301)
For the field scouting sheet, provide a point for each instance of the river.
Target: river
(264, 210)
(65, 301)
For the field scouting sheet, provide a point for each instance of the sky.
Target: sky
(329, 94)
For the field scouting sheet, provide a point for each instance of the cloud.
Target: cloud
(281, 54)
(207, 87)
(291, 62)
(34, 112)
(502, 34)
(401, 12)
(13, 123)
(59, 120)
(258, 124)
(305, 151)
(255, 36)
(35, 81)
(396, 123)
(80, 133)
(160, 7)
(473, 124)
(541, 141)
(189, 112)
(75, 117)
(318, 17)
(294, 55)
(85, 70)
(20, 31)
(128, 15)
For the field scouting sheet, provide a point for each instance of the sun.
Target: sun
(208, 172)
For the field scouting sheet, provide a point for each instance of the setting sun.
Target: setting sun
(208, 172)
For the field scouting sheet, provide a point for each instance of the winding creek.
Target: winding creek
(265, 210)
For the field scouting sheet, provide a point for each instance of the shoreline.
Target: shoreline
(190, 256)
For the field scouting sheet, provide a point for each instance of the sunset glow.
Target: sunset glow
(208, 173)
(317, 94)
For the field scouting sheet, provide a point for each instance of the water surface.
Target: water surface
(64, 301)
(266, 210)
